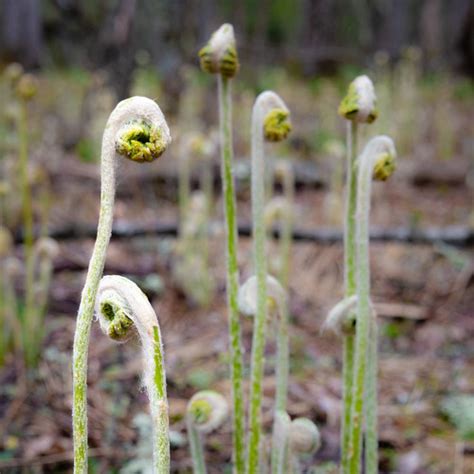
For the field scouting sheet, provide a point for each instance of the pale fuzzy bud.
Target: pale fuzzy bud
(340, 320)
(145, 138)
(247, 296)
(277, 208)
(47, 247)
(27, 87)
(360, 102)
(207, 410)
(274, 116)
(219, 56)
(13, 72)
(304, 436)
(381, 151)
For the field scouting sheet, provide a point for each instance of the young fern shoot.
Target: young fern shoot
(137, 130)
(358, 107)
(122, 310)
(207, 410)
(270, 121)
(377, 161)
(219, 57)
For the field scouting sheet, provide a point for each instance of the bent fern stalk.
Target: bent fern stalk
(219, 57)
(137, 130)
(123, 309)
(376, 161)
(270, 121)
(206, 412)
(358, 107)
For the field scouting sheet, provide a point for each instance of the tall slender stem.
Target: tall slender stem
(197, 451)
(376, 161)
(371, 439)
(349, 283)
(86, 311)
(132, 118)
(225, 123)
(260, 268)
(30, 354)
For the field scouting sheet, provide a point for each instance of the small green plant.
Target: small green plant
(123, 309)
(358, 106)
(377, 161)
(137, 130)
(219, 57)
(207, 411)
(270, 121)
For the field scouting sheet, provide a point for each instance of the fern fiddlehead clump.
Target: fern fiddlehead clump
(121, 128)
(270, 122)
(219, 56)
(206, 411)
(123, 310)
(359, 106)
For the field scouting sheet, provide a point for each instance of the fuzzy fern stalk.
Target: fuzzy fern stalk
(45, 251)
(358, 106)
(270, 121)
(122, 310)
(276, 307)
(219, 57)
(207, 411)
(292, 440)
(26, 89)
(376, 161)
(136, 130)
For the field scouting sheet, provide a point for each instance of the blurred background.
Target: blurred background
(65, 64)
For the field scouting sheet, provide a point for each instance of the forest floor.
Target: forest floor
(425, 298)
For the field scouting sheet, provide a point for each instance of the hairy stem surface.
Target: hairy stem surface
(350, 284)
(260, 268)
(225, 123)
(86, 312)
(363, 313)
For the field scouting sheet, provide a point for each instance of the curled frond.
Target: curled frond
(341, 318)
(26, 87)
(380, 154)
(142, 132)
(277, 208)
(13, 72)
(219, 56)
(384, 167)
(304, 436)
(276, 125)
(360, 102)
(274, 115)
(47, 247)
(247, 297)
(207, 410)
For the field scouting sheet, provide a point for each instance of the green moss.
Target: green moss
(384, 167)
(141, 142)
(276, 125)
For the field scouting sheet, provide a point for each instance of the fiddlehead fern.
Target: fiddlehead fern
(122, 310)
(270, 121)
(125, 118)
(206, 412)
(379, 154)
(219, 57)
(358, 107)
